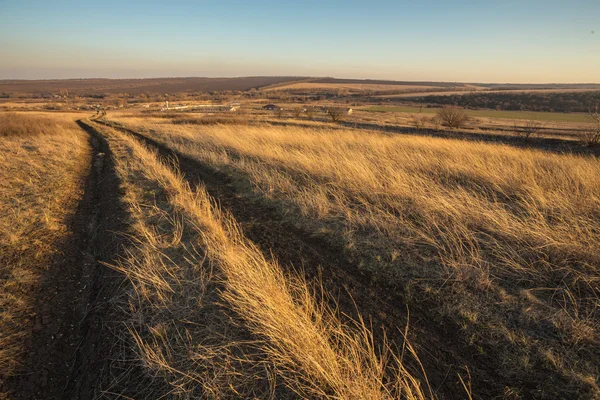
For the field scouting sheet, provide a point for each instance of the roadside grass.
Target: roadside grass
(527, 115)
(215, 318)
(43, 160)
(504, 240)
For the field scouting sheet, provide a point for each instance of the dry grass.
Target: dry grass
(211, 120)
(21, 125)
(42, 161)
(215, 318)
(504, 240)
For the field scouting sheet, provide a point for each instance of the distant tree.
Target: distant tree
(529, 129)
(453, 117)
(417, 122)
(335, 113)
(591, 135)
(64, 93)
(297, 111)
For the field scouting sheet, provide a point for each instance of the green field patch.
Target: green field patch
(528, 115)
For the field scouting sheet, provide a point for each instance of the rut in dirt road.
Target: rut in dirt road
(69, 353)
(439, 349)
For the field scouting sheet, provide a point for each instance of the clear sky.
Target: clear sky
(442, 40)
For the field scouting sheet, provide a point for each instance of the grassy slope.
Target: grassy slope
(217, 319)
(528, 115)
(504, 239)
(42, 163)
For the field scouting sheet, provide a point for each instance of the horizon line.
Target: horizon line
(297, 77)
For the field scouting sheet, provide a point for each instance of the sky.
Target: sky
(517, 41)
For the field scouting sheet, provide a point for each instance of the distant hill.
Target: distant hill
(137, 86)
(178, 85)
(384, 82)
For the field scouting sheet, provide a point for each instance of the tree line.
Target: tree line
(550, 102)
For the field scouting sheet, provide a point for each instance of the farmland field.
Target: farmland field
(528, 115)
(471, 90)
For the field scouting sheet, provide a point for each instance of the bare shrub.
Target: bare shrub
(453, 117)
(435, 122)
(335, 113)
(591, 135)
(64, 93)
(297, 112)
(417, 122)
(529, 129)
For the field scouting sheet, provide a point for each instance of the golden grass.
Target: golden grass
(216, 318)
(504, 240)
(42, 161)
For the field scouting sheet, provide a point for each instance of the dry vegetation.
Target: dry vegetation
(504, 241)
(453, 117)
(42, 161)
(214, 318)
(211, 120)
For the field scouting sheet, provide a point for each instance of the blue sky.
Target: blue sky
(468, 41)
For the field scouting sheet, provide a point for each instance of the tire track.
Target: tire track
(71, 348)
(438, 344)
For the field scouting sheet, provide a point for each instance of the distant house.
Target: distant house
(342, 110)
(271, 107)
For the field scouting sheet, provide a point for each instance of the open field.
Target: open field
(269, 200)
(528, 115)
(204, 307)
(193, 259)
(242, 255)
(500, 241)
(484, 90)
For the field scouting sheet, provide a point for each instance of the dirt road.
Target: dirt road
(68, 351)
